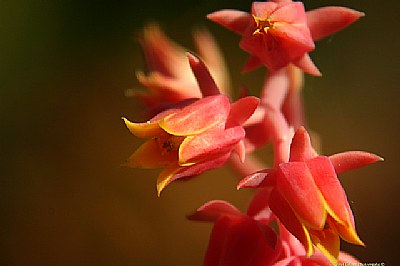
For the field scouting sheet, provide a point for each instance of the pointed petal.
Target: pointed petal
(346, 161)
(207, 85)
(211, 210)
(209, 144)
(150, 155)
(212, 55)
(144, 130)
(259, 179)
(289, 219)
(328, 243)
(325, 21)
(347, 233)
(327, 182)
(300, 148)
(241, 110)
(295, 183)
(307, 65)
(197, 117)
(233, 20)
(240, 150)
(168, 175)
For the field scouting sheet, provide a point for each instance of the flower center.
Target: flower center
(169, 144)
(262, 25)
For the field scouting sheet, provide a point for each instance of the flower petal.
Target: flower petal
(259, 208)
(151, 155)
(233, 20)
(198, 117)
(300, 148)
(295, 183)
(259, 179)
(241, 110)
(292, 12)
(325, 21)
(307, 65)
(346, 161)
(211, 210)
(327, 182)
(209, 144)
(289, 219)
(238, 241)
(263, 9)
(144, 130)
(328, 242)
(207, 85)
(174, 172)
(212, 55)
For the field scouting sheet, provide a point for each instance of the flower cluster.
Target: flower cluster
(299, 211)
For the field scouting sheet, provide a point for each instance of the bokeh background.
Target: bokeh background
(64, 70)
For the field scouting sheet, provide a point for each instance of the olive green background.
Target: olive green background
(64, 69)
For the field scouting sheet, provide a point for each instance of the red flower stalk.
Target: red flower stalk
(195, 135)
(308, 198)
(277, 33)
(169, 78)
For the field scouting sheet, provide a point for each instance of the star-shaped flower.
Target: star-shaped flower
(277, 33)
(308, 198)
(195, 135)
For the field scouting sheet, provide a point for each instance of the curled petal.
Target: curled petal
(196, 118)
(346, 161)
(234, 20)
(209, 144)
(211, 210)
(325, 21)
(144, 130)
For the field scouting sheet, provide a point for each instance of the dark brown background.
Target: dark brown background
(64, 67)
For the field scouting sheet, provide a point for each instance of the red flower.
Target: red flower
(195, 136)
(277, 33)
(308, 198)
(238, 238)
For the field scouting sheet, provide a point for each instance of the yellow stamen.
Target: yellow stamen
(262, 25)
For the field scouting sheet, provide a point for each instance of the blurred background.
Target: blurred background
(64, 70)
